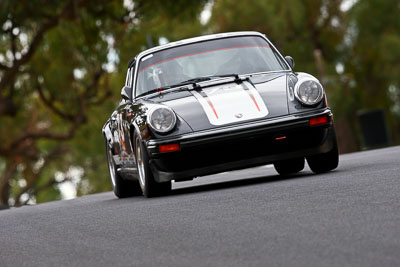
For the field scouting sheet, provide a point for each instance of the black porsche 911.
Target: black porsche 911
(213, 104)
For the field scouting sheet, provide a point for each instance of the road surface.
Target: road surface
(350, 216)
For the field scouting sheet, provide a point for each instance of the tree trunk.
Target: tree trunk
(10, 169)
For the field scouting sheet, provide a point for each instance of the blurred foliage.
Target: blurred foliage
(295, 27)
(60, 77)
(372, 57)
(63, 63)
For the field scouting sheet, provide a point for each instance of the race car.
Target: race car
(213, 104)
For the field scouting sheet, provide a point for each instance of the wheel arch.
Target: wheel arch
(107, 135)
(110, 141)
(134, 131)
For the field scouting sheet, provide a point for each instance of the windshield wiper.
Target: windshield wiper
(196, 80)
(161, 89)
(226, 75)
(192, 81)
(207, 78)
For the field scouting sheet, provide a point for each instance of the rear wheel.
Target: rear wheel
(289, 166)
(122, 188)
(150, 187)
(324, 162)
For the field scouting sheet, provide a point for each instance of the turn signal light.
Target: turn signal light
(168, 147)
(319, 120)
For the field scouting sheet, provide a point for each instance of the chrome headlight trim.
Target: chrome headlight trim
(311, 81)
(151, 120)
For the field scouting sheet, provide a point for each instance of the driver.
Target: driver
(170, 73)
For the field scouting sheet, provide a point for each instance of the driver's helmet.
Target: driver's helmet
(168, 73)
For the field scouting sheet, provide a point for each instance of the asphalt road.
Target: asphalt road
(348, 217)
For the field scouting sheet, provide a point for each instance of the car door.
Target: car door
(123, 116)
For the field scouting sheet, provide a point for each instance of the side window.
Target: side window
(129, 74)
(128, 81)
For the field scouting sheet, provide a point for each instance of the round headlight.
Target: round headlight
(161, 119)
(309, 92)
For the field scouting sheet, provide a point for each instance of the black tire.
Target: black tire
(289, 166)
(149, 186)
(324, 162)
(122, 188)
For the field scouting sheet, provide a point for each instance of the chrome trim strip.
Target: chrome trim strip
(126, 169)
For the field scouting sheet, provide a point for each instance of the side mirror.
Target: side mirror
(126, 93)
(290, 61)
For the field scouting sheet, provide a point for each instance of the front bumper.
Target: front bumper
(243, 146)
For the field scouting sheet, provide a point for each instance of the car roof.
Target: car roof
(198, 39)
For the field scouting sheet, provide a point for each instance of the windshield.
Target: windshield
(238, 55)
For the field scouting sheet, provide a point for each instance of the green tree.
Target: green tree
(60, 77)
(371, 57)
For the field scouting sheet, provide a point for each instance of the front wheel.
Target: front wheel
(324, 162)
(122, 188)
(289, 166)
(150, 187)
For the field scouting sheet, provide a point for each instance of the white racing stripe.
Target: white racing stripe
(230, 103)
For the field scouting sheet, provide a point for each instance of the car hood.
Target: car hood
(229, 103)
